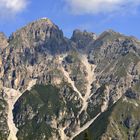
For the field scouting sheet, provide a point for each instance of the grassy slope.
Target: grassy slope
(37, 107)
(40, 101)
(3, 118)
(112, 122)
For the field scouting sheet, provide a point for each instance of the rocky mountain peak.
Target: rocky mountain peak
(109, 33)
(110, 37)
(40, 35)
(83, 39)
(3, 41)
(46, 20)
(79, 35)
(41, 29)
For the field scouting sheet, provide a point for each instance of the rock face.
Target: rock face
(86, 87)
(3, 41)
(40, 35)
(83, 40)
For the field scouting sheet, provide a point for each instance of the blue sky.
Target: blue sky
(92, 15)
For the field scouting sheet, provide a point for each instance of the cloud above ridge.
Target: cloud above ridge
(102, 6)
(11, 7)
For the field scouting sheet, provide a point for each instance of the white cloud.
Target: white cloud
(102, 6)
(11, 7)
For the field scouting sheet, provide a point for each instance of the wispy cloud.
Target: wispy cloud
(102, 6)
(10, 8)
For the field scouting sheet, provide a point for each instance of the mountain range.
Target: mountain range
(86, 87)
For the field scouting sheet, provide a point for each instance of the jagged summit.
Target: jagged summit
(109, 36)
(111, 31)
(114, 34)
(39, 27)
(46, 21)
(83, 39)
(42, 33)
(79, 33)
